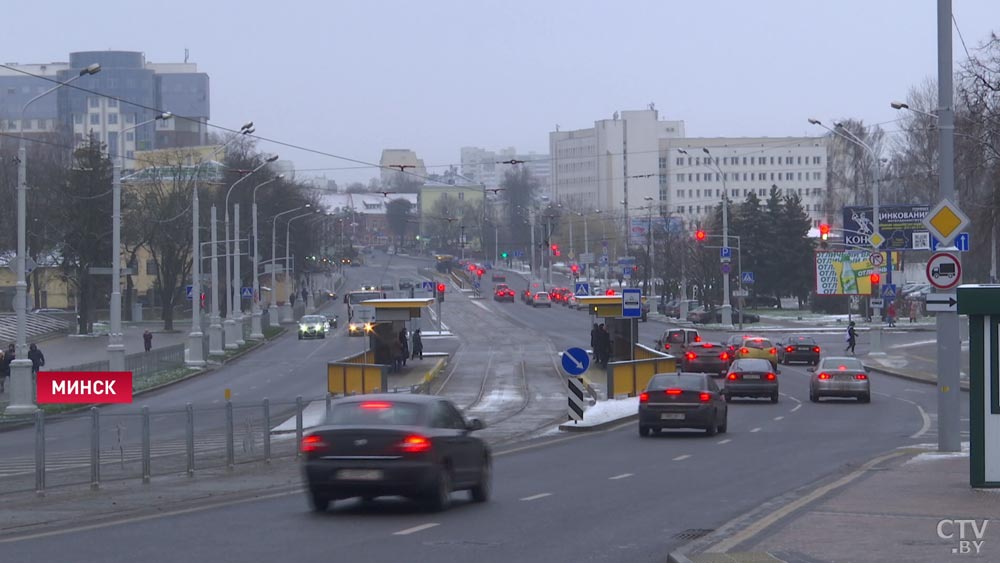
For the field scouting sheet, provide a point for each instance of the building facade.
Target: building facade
(691, 181)
(401, 163)
(489, 167)
(612, 162)
(107, 104)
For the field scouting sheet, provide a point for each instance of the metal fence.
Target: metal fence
(141, 364)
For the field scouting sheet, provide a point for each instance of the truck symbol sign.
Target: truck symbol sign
(946, 270)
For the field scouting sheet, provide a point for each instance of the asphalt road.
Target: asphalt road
(609, 496)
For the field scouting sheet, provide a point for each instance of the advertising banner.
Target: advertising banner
(844, 273)
(897, 223)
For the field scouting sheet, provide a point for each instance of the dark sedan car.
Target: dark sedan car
(417, 446)
(706, 357)
(751, 377)
(682, 400)
(798, 349)
(714, 315)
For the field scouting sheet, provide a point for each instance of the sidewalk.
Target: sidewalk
(890, 509)
(69, 350)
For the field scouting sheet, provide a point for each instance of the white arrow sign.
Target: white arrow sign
(942, 302)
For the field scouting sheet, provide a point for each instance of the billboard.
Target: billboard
(844, 273)
(897, 223)
(661, 225)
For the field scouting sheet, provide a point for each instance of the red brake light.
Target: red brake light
(415, 444)
(824, 376)
(724, 356)
(733, 376)
(706, 345)
(861, 376)
(773, 351)
(744, 351)
(690, 355)
(770, 377)
(666, 346)
(816, 349)
(697, 339)
(312, 443)
(674, 391)
(790, 349)
(704, 397)
(376, 405)
(643, 397)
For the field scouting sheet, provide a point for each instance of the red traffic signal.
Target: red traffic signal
(609, 292)
(480, 272)
(699, 235)
(824, 231)
(575, 268)
(875, 278)
(472, 267)
(441, 288)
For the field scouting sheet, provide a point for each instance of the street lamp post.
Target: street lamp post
(234, 334)
(727, 308)
(21, 392)
(256, 330)
(116, 346)
(290, 316)
(274, 321)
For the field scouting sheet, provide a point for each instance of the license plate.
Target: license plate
(806, 348)
(750, 376)
(844, 378)
(360, 474)
(672, 416)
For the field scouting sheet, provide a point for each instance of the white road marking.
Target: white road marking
(622, 476)
(682, 457)
(538, 496)
(792, 398)
(756, 429)
(797, 407)
(925, 427)
(481, 306)
(726, 441)
(921, 391)
(778, 417)
(416, 529)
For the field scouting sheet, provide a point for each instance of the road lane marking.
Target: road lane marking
(538, 496)
(622, 476)
(778, 417)
(726, 441)
(756, 429)
(926, 424)
(797, 407)
(416, 529)
(682, 457)
(481, 306)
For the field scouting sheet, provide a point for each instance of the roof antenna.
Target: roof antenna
(186, 55)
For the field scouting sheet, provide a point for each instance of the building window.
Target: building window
(112, 119)
(680, 177)
(697, 193)
(663, 162)
(690, 193)
(718, 193)
(130, 136)
(762, 192)
(129, 155)
(151, 269)
(725, 160)
(800, 160)
(680, 209)
(129, 118)
(112, 103)
(690, 209)
(744, 176)
(77, 119)
(744, 161)
(725, 176)
(680, 194)
(663, 179)
(690, 176)
(680, 161)
(95, 119)
(817, 175)
(461, 196)
(697, 161)
(94, 102)
(735, 193)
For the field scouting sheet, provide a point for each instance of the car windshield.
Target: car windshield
(310, 319)
(359, 296)
(688, 382)
(376, 413)
(841, 364)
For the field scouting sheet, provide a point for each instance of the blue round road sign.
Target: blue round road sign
(575, 361)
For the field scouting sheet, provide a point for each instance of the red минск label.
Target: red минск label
(84, 387)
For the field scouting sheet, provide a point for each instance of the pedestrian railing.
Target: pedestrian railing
(143, 365)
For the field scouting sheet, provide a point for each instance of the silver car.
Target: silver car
(840, 377)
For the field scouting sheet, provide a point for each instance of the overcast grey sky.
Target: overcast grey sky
(353, 77)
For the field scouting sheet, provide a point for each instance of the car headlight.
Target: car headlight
(352, 326)
(319, 327)
(303, 327)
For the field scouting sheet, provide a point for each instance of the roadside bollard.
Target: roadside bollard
(230, 448)
(329, 399)
(145, 445)
(95, 448)
(298, 425)
(40, 452)
(189, 438)
(267, 430)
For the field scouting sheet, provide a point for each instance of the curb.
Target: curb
(432, 373)
(567, 427)
(886, 371)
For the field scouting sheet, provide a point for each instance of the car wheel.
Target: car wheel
(728, 397)
(481, 492)
(725, 424)
(814, 396)
(318, 501)
(774, 397)
(644, 431)
(866, 398)
(439, 496)
(712, 428)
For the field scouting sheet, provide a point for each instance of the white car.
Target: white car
(541, 299)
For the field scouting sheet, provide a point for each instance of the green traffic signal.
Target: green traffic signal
(503, 255)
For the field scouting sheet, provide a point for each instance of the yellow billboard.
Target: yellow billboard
(847, 272)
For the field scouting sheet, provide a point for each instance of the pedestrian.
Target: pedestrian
(4, 370)
(147, 340)
(914, 310)
(404, 343)
(291, 299)
(891, 313)
(593, 341)
(36, 357)
(418, 345)
(396, 354)
(604, 345)
(305, 294)
(851, 337)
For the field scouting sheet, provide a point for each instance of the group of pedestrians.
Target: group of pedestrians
(400, 349)
(10, 354)
(600, 343)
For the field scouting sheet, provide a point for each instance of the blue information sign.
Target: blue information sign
(246, 292)
(582, 288)
(427, 285)
(190, 291)
(575, 361)
(631, 303)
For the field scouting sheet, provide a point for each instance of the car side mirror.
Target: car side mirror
(475, 424)
(777, 371)
(811, 369)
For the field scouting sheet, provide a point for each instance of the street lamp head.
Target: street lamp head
(92, 69)
(682, 151)
(648, 198)
(705, 150)
(271, 158)
(280, 177)
(307, 205)
(247, 126)
(815, 121)
(839, 125)
(165, 116)
(899, 105)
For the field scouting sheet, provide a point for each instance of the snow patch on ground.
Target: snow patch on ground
(607, 411)
(312, 415)
(935, 455)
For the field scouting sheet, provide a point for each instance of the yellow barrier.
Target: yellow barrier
(356, 374)
(632, 376)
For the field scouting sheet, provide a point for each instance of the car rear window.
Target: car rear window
(801, 340)
(844, 364)
(683, 381)
(676, 337)
(757, 343)
(376, 413)
(751, 365)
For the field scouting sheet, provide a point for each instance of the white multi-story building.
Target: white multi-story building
(489, 167)
(692, 180)
(400, 162)
(613, 161)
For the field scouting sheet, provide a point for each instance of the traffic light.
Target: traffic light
(503, 255)
(609, 291)
(875, 279)
(576, 269)
(699, 235)
(555, 250)
(440, 291)
(480, 272)
(824, 231)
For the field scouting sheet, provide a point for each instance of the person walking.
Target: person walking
(891, 314)
(851, 337)
(418, 345)
(4, 370)
(404, 343)
(396, 354)
(593, 341)
(604, 345)
(914, 310)
(147, 340)
(36, 357)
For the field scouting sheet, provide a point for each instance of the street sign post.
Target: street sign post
(942, 303)
(582, 288)
(631, 303)
(189, 290)
(627, 272)
(889, 291)
(946, 221)
(725, 267)
(246, 292)
(741, 293)
(575, 361)
(725, 253)
(944, 271)
(961, 242)
(876, 303)
(747, 277)
(586, 257)
(876, 258)
(427, 286)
